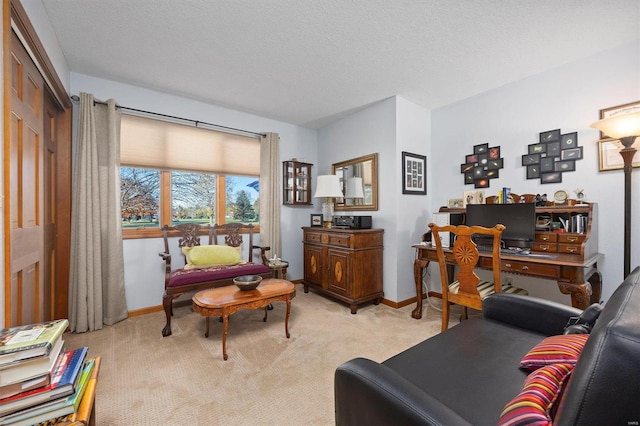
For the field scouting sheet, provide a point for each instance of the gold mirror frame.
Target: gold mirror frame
(365, 167)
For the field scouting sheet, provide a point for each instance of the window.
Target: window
(172, 173)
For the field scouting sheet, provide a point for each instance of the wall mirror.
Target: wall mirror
(359, 183)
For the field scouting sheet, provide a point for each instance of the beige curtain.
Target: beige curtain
(96, 287)
(270, 194)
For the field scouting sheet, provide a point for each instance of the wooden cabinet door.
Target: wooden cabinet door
(313, 264)
(338, 274)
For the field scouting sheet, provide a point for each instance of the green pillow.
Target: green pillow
(214, 255)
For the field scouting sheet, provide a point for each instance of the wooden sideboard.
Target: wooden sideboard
(344, 263)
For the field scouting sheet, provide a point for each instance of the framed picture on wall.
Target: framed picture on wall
(414, 174)
(609, 154)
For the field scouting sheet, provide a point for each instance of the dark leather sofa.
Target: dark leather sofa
(466, 375)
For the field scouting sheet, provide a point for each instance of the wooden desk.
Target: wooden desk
(575, 276)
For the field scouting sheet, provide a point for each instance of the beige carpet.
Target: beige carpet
(146, 379)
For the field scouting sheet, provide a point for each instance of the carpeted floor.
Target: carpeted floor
(146, 379)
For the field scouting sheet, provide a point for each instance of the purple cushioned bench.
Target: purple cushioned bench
(180, 281)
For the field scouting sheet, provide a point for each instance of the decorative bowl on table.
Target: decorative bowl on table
(247, 282)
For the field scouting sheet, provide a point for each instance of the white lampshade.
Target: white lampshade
(620, 126)
(328, 186)
(354, 188)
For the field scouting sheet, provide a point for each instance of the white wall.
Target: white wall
(569, 98)
(40, 21)
(144, 273)
(386, 127)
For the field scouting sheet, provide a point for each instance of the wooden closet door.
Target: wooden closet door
(24, 246)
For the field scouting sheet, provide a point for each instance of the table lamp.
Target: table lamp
(355, 190)
(626, 128)
(328, 188)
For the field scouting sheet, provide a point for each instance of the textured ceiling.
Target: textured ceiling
(308, 62)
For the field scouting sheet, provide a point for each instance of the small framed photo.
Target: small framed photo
(494, 153)
(571, 154)
(609, 155)
(414, 174)
(553, 177)
(316, 219)
(564, 166)
(546, 164)
(479, 172)
(550, 135)
(483, 159)
(466, 168)
(569, 140)
(471, 158)
(455, 203)
(530, 159)
(469, 197)
(468, 178)
(481, 149)
(495, 164)
(481, 183)
(492, 173)
(537, 148)
(553, 149)
(533, 171)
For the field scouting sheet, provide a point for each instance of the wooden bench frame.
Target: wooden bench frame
(189, 235)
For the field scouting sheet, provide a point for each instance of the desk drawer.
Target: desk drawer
(571, 238)
(569, 248)
(549, 237)
(550, 271)
(546, 247)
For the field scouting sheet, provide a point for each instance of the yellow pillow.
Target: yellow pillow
(214, 255)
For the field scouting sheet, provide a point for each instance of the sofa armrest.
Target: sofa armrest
(531, 313)
(369, 393)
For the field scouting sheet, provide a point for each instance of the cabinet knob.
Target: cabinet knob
(507, 265)
(572, 239)
(525, 268)
(545, 238)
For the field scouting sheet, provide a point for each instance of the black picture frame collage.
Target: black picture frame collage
(482, 166)
(553, 155)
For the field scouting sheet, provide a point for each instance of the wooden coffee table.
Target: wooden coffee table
(225, 301)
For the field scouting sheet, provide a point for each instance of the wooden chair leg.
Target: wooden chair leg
(445, 314)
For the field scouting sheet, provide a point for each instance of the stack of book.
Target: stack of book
(39, 379)
(504, 196)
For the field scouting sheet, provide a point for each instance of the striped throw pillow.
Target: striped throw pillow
(565, 348)
(533, 405)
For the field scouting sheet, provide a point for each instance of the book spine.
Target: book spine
(83, 414)
(71, 371)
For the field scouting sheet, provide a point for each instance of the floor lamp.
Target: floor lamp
(626, 128)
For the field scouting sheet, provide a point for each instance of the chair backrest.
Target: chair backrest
(233, 235)
(465, 253)
(188, 234)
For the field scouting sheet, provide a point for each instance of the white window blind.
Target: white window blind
(150, 143)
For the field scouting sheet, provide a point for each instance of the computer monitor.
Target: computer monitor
(519, 220)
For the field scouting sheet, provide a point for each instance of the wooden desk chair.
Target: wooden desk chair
(468, 290)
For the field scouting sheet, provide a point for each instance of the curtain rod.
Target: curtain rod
(195, 122)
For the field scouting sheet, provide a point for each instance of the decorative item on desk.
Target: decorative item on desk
(579, 195)
(455, 203)
(328, 188)
(623, 123)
